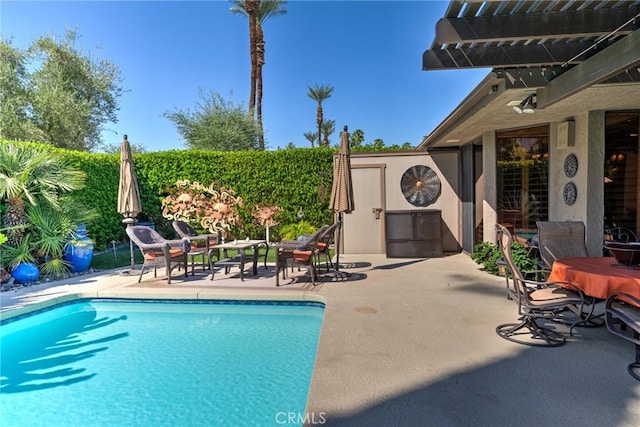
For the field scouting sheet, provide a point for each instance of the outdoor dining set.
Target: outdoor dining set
(310, 251)
(573, 288)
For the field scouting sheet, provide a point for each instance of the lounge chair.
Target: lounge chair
(158, 251)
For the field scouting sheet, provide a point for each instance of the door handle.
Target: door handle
(377, 211)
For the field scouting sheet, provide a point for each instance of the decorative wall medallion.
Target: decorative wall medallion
(420, 185)
(570, 193)
(571, 165)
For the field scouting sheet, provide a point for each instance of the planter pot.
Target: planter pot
(79, 251)
(25, 272)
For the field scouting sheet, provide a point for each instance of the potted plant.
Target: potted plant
(38, 217)
(78, 251)
(58, 245)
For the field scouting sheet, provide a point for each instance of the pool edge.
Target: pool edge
(201, 295)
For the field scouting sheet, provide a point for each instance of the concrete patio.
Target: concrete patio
(412, 343)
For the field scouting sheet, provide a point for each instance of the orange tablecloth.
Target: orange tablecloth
(598, 277)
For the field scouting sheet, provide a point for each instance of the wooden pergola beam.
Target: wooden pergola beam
(561, 24)
(620, 56)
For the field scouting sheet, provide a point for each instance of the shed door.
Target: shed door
(364, 227)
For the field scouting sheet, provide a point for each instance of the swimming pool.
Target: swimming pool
(158, 363)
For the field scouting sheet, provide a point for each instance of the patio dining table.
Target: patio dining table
(240, 259)
(598, 277)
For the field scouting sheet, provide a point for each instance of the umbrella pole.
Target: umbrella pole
(130, 222)
(133, 262)
(337, 274)
(338, 242)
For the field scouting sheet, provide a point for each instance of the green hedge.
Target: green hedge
(290, 179)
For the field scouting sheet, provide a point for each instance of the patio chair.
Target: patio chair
(560, 239)
(200, 243)
(158, 251)
(325, 240)
(620, 234)
(623, 320)
(298, 252)
(536, 301)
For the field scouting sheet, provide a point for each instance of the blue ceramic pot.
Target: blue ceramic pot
(26, 272)
(79, 251)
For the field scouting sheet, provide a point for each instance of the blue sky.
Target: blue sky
(369, 51)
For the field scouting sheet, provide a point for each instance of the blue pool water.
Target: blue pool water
(125, 363)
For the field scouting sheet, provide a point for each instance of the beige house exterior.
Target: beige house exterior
(581, 84)
(376, 185)
(584, 81)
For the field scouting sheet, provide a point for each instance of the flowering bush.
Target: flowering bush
(192, 202)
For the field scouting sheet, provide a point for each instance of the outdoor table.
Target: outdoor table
(240, 259)
(597, 277)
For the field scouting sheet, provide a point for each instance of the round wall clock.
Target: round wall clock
(571, 165)
(420, 185)
(570, 193)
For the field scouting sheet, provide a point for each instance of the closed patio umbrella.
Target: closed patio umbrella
(128, 194)
(341, 201)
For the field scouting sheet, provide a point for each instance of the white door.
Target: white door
(363, 231)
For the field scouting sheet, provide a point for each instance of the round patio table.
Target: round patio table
(597, 277)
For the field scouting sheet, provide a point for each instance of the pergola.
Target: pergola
(551, 50)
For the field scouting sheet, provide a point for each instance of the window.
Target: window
(621, 170)
(522, 178)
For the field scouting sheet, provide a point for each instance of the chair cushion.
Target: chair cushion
(551, 295)
(321, 246)
(301, 256)
(173, 253)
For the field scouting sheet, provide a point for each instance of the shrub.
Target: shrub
(488, 254)
(288, 179)
(293, 231)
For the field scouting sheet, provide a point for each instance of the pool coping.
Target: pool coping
(179, 294)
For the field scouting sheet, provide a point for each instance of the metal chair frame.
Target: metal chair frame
(536, 301)
(623, 320)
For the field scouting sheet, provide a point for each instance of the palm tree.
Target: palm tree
(32, 175)
(319, 93)
(249, 8)
(258, 11)
(328, 127)
(357, 138)
(311, 137)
